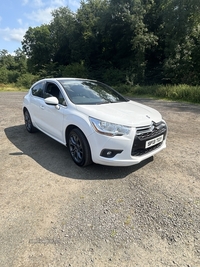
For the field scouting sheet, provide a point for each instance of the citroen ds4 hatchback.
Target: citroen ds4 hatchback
(95, 122)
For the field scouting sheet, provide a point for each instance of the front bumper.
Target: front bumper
(126, 150)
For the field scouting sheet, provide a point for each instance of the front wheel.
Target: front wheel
(79, 148)
(28, 122)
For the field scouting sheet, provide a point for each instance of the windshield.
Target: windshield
(84, 92)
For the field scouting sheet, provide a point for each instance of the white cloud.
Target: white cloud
(25, 2)
(8, 34)
(58, 3)
(38, 3)
(41, 15)
(33, 3)
(19, 21)
(74, 3)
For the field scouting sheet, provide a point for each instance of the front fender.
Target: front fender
(81, 122)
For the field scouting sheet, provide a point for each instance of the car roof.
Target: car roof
(67, 78)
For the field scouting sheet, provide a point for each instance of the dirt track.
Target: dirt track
(56, 214)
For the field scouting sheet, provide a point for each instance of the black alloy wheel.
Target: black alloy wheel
(28, 122)
(79, 148)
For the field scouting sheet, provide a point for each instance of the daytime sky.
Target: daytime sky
(16, 16)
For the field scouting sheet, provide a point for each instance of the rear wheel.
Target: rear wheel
(28, 122)
(79, 148)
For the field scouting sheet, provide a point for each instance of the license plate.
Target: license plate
(154, 141)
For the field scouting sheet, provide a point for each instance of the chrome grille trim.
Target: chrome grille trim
(151, 131)
(144, 129)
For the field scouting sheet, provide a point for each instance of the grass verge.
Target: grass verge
(11, 88)
(181, 92)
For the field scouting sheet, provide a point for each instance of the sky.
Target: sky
(16, 16)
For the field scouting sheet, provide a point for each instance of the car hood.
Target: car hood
(128, 113)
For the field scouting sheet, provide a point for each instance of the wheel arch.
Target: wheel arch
(24, 109)
(79, 121)
(69, 128)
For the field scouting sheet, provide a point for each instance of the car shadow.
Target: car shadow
(55, 157)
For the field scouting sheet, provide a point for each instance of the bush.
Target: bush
(123, 89)
(3, 75)
(185, 92)
(13, 76)
(173, 92)
(26, 80)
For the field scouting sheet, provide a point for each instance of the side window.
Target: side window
(53, 90)
(37, 90)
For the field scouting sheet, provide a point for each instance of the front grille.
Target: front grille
(144, 134)
(154, 130)
(140, 152)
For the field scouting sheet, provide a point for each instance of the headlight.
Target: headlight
(109, 128)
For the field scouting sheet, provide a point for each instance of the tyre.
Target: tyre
(79, 148)
(28, 122)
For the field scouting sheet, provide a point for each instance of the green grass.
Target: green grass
(11, 88)
(176, 92)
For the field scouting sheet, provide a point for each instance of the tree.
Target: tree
(62, 35)
(7, 60)
(91, 23)
(20, 60)
(181, 21)
(12, 66)
(37, 45)
(131, 36)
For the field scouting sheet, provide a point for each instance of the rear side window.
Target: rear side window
(37, 90)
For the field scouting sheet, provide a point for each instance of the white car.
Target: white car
(94, 121)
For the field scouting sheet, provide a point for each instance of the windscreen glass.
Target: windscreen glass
(83, 92)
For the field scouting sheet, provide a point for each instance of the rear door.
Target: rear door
(36, 101)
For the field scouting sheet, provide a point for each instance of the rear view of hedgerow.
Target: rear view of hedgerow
(120, 42)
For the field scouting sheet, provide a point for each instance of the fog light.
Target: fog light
(110, 153)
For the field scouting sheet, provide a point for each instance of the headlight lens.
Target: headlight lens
(109, 128)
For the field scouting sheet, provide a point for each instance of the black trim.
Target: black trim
(112, 153)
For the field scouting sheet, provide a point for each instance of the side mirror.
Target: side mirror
(52, 100)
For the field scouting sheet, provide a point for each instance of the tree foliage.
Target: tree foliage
(37, 45)
(11, 67)
(116, 41)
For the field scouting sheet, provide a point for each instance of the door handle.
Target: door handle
(42, 107)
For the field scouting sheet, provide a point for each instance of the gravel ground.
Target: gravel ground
(56, 214)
